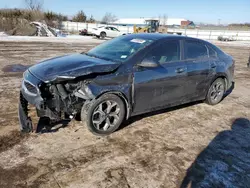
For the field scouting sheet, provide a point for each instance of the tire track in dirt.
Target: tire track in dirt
(12, 139)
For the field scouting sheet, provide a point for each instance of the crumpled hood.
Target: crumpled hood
(71, 66)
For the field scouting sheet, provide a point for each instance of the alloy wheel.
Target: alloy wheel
(106, 115)
(217, 91)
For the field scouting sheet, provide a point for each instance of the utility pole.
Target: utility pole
(219, 20)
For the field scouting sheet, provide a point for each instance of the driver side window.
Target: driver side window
(166, 52)
(114, 29)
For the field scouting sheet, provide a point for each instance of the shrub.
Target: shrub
(80, 17)
(15, 20)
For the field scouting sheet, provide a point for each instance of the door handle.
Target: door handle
(180, 70)
(213, 65)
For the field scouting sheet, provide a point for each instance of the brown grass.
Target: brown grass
(17, 21)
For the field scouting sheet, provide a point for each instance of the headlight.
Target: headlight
(25, 73)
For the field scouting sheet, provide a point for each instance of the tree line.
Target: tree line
(239, 25)
(34, 12)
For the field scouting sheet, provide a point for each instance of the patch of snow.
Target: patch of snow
(232, 43)
(66, 39)
(3, 34)
(91, 39)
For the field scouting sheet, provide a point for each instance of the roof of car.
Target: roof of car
(154, 36)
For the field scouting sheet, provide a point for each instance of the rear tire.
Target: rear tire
(216, 92)
(104, 115)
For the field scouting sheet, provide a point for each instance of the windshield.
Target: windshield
(119, 49)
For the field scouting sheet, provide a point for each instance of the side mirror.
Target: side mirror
(148, 63)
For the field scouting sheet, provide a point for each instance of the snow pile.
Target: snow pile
(44, 30)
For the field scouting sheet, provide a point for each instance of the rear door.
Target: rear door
(196, 56)
(163, 85)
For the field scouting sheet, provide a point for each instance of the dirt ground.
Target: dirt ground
(198, 144)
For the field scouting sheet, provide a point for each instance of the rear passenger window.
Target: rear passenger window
(212, 52)
(166, 52)
(195, 50)
(114, 29)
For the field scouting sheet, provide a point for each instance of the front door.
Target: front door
(111, 32)
(115, 32)
(108, 32)
(163, 85)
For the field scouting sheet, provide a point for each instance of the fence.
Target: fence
(76, 26)
(197, 33)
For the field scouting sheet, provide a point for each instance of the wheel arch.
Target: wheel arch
(103, 32)
(220, 75)
(224, 77)
(121, 96)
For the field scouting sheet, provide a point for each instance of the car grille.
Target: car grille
(30, 87)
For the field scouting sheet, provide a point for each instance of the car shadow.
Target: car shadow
(157, 112)
(225, 162)
(45, 126)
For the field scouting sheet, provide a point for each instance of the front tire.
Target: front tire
(104, 115)
(216, 92)
(103, 35)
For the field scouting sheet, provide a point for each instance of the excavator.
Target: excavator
(152, 26)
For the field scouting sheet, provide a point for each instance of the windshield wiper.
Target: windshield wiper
(89, 55)
(100, 57)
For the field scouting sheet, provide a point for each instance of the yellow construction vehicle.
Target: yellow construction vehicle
(152, 26)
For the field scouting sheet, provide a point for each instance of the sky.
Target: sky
(205, 11)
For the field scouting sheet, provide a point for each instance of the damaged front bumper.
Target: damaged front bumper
(24, 120)
(29, 94)
(53, 101)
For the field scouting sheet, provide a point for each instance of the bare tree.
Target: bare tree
(34, 4)
(91, 19)
(160, 21)
(165, 20)
(108, 18)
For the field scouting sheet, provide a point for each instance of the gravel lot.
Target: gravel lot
(198, 144)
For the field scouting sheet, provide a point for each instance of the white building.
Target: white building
(141, 21)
